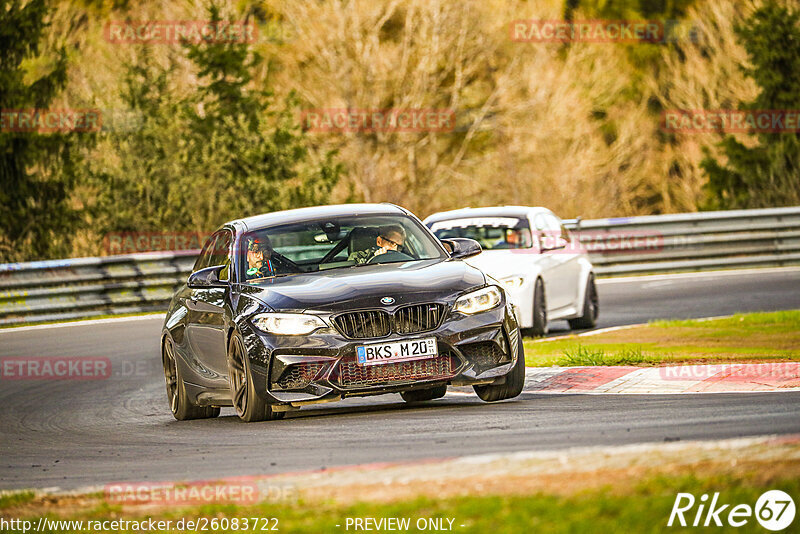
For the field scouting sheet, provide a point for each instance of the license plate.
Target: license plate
(396, 351)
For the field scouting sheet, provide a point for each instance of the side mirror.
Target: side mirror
(551, 242)
(208, 277)
(461, 248)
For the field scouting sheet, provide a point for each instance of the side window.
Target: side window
(220, 254)
(204, 259)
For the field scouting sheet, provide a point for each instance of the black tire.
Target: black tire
(515, 381)
(421, 395)
(182, 408)
(249, 406)
(539, 327)
(591, 308)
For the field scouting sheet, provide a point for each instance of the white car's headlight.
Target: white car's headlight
(288, 324)
(515, 282)
(479, 301)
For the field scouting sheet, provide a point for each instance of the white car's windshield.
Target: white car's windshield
(491, 232)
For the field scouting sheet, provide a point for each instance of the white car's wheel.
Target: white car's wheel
(539, 323)
(591, 308)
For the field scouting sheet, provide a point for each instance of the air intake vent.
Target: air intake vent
(484, 355)
(351, 375)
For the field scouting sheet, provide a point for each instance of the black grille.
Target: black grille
(377, 323)
(484, 355)
(349, 374)
(418, 318)
(364, 324)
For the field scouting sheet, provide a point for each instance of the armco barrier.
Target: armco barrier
(86, 287)
(692, 241)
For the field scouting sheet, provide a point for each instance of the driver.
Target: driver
(391, 238)
(390, 245)
(513, 239)
(259, 258)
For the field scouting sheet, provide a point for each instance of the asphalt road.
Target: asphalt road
(70, 434)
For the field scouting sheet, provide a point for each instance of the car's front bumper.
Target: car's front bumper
(296, 370)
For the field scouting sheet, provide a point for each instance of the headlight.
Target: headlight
(515, 282)
(479, 301)
(288, 324)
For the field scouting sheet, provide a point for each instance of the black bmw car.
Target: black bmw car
(316, 304)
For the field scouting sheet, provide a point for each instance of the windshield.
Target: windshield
(490, 232)
(335, 243)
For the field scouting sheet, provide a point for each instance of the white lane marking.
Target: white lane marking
(658, 283)
(598, 331)
(659, 391)
(88, 322)
(701, 274)
(625, 327)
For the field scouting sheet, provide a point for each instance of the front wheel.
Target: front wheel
(591, 308)
(181, 406)
(249, 406)
(515, 381)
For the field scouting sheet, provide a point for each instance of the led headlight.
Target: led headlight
(515, 282)
(288, 324)
(479, 301)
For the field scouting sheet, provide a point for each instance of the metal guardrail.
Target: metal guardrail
(86, 287)
(691, 241)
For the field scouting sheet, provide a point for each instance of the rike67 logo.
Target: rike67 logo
(774, 510)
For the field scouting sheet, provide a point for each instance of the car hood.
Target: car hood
(505, 263)
(364, 286)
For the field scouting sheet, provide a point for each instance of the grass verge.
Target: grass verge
(751, 337)
(627, 505)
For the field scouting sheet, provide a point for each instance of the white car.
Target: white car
(529, 251)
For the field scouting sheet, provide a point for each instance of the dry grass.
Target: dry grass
(569, 127)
